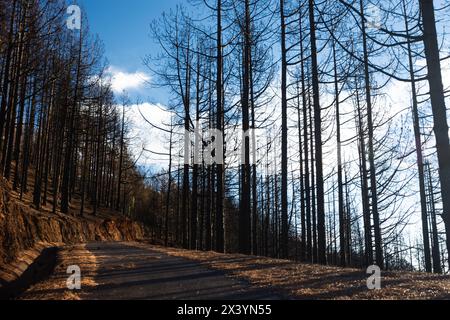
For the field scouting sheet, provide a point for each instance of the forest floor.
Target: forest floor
(315, 282)
(122, 271)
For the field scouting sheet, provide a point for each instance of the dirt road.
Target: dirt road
(126, 271)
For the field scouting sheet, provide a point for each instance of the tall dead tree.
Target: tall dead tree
(284, 139)
(439, 109)
(321, 234)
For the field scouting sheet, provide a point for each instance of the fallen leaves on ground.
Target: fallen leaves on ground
(55, 287)
(308, 281)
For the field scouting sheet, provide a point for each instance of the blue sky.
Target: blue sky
(123, 26)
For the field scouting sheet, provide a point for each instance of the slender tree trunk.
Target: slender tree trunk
(6, 72)
(306, 102)
(437, 267)
(284, 140)
(245, 214)
(342, 240)
(439, 109)
(169, 189)
(372, 170)
(18, 139)
(254, 183)
(121, 156)
(419, 153)
(364, 185)
(302, 182)
(29, 134)
(220, 167)
(321, 234)
(68, 165)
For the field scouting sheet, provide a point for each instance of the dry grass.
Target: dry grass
(55, 287)
(306, 281)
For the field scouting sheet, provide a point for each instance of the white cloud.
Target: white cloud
(144, 136)
(122, 80)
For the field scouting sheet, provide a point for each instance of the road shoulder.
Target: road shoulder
(55, 286)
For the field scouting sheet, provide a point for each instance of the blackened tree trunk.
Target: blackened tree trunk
(68, 156)
(121, 156)
(321, 234)
(284, 139)
(368, 248)
(6, 72)
(342, 240)
(437, 267)
(439, 108)
(244, 214)
(220, 174)
(254, 170)
(169, 190)
(306, 102)
(185, 192)
(370, 145)
(419, 153)
(302, 181)
(306, 209)
(197, 158)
